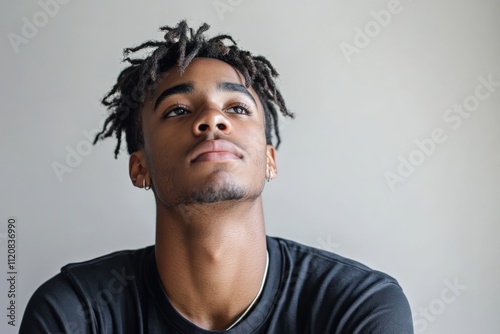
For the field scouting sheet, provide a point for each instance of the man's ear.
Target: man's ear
(271, 168)
(138, 170)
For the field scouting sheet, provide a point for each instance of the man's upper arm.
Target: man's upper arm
(56, 307)
(386, 310)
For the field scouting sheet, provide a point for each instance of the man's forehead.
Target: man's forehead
(202, 69)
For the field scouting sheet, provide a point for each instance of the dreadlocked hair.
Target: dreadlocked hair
(180, 46)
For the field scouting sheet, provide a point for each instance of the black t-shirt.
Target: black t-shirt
(307, 290)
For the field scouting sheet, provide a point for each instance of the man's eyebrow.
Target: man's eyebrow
(178, 89)
(234, 87)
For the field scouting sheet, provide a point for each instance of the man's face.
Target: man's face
(204, 136)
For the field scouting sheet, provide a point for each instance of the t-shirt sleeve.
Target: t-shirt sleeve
(384, 310)
(56, 308)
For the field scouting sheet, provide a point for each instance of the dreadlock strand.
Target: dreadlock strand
(157, 55)
(103, 133)
(268, 64)
(133, 61)
(191, 56)
(247, 57)
(145, 45)
(198, 36)
(118, 142)
(221, 38)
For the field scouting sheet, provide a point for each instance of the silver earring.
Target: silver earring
(144, 185)
(270, 177)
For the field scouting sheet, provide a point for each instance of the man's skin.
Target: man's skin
(210, 234)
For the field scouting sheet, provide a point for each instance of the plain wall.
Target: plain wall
(361, 105)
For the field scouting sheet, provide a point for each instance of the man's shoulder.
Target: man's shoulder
(307, 254)
(97, 273)
(319, 268)
(129, 257)
(341, 291)
(83, 293)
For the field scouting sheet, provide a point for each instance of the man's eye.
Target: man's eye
(179, 111)
(239, 109)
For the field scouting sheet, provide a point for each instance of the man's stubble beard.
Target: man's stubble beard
(218, 189)
(214, 193)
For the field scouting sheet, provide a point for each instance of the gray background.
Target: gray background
(354, 119)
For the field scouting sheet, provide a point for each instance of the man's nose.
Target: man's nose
(211, 120)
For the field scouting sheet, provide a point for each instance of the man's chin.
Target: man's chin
(213, 193)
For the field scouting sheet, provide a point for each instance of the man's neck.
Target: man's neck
(211, 259)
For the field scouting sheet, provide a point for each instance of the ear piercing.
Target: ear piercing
(146, 187)
(270, 175)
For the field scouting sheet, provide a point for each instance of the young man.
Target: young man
(199, 116)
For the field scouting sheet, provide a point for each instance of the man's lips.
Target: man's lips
(215, 150)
